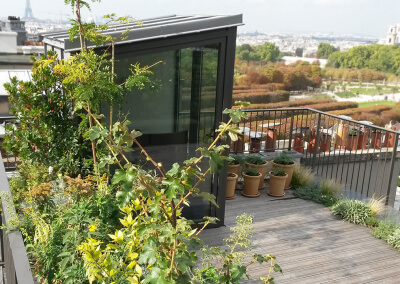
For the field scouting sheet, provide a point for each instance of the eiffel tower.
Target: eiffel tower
(28, 11)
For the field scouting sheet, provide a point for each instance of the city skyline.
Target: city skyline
(358, 17)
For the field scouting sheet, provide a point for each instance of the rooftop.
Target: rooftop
(152, 28)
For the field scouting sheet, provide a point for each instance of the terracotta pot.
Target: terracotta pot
(362, 141)
(298, 144)
(376, 139)
(352, 142)
(262, 169)
(270, 142)
(326, 140)
(288, 169)
(231, 186)
(238, 146)
(341, 134)
(234, 169)
(250, 185)
(277, 184)
(255, 145)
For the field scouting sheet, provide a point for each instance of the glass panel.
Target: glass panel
(178, 115)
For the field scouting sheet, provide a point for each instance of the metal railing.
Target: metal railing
(361, 156)
(16, 267)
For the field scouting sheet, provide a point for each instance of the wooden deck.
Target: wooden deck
(311, 245)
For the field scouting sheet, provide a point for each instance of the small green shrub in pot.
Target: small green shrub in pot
(353, 211)
(255, 160)
(234, 162)
(251, 182)
(278, 172)
(284, 159)
(286, 162)
(250, 171)
(260, 164)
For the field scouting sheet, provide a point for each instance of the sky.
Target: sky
(357, 17)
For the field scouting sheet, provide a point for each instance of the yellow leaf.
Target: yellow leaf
(138, 270)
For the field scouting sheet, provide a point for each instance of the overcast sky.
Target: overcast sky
(365, 17)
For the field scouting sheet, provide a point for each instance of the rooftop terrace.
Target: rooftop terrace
(310, 244)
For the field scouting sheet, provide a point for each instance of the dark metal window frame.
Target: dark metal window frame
(226, 39)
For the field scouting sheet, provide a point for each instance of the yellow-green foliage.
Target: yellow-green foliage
(330, 187)
(302, 176)
(377, 205)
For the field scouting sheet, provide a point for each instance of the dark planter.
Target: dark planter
(362, 141)
(255, 145)
(341, 134)
(238, 146)
(270, 142)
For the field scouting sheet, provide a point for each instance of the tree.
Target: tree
(247, 53)
(269, 52)
(325, 49)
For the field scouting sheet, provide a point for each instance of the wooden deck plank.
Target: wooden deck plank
(310, 244)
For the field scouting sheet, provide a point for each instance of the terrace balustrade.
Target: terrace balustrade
(363, 157)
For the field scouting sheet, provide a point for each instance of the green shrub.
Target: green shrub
(384, 230)
(353, 211)
(302, 176)
(278, 172)
(372, 222)
(313, 192)
(235, 159)
(250, 171)
(284, 159)
(394, 239)
(330, 187)
(255, 160)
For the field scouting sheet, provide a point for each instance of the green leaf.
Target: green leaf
(125, 196)
(148, 255)
(209, 197)
(94, 133)
(238, 272)
(216, 162)
(277, 268)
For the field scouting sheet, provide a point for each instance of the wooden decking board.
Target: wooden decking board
(310, 244)
(352, 267)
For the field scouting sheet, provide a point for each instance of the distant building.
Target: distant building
(293, 59)
(393, 34)
(14, 24)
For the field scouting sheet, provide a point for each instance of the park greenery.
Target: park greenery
(384, 58)
(88, 214)
(325, 50)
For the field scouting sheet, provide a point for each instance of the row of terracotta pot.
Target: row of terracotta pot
(252, 184)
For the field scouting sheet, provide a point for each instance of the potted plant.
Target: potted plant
(352, 140)
(285, 162)
(231, 181)
(234, 162)
(251, 182)
(255, 161)
(277, 182)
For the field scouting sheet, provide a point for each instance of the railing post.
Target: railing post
(291, 130)
(394, 155)
(316, 144)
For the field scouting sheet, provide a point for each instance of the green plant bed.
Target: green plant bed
(370, 91)
(346, 95)
(314, 193)
(377, 103)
